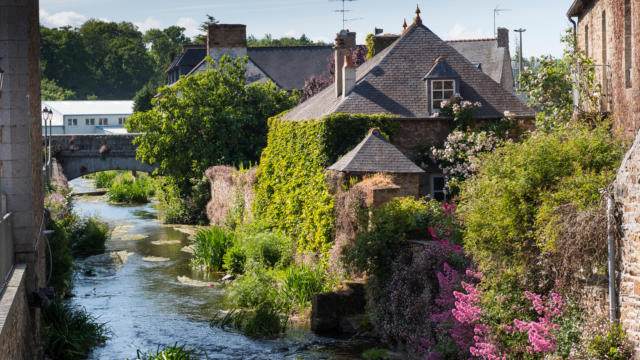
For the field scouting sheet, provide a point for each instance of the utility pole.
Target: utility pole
(497, 11)
(521, 30)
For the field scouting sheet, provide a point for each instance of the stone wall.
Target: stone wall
(16, 331)
(622, 100)
(229, 188)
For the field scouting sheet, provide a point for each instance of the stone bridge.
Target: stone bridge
(85, 154)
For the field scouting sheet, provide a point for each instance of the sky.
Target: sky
(544, 20)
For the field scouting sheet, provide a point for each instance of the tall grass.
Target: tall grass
(105, 178)
(266, 321)
(88, 237)
(210, 246)
(171, 352)
(126, 189)
(70, 332)
(300, 283)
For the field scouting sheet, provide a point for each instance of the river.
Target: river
(146, 292)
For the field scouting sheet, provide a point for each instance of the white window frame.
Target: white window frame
(103, 121)
(72, 122)
(90, 121)
(443, 90)
(433, 190)
(121, 120)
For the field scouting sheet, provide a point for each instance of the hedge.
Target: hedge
(292, 193)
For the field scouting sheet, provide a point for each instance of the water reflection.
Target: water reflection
(144, 288)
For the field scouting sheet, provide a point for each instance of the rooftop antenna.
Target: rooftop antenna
(497, 11)
(343, 11)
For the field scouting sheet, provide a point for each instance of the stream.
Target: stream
(149, 296)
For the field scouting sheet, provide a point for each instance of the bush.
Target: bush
(265, 321)
(300, 283)
(184, 206)
(104, 179)
(172, 352)
(267, 249)
(508, 206)
(610, 342)
(126, 189)
(251, 290)
(292, 193)
(234, 261)
(394, 223)
(210, 246)
(69, 332)
(88, 237)
(61, 259)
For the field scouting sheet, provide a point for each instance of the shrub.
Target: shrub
(126, 189)
(394, 223)
(69, 332)
(300, 283)
(104, 179)
(210, 246)
(292, 193)
(267, 249)
(234, 260)
(508, 205)
(251, 290)
(265, 321)
(88, 237)
(172, 352)
(61, 262)
(610, 342)
(184, 206)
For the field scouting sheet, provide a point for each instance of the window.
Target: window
(438, 191)
(91, 121)
(121, 121)
(441, 90)
(72, 122)
(103, 121)
(627, 43)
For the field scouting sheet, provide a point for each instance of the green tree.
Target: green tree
(164, 46)
(268, 40)
(208, 119)
(50, 90)
(142, 101)
(63, 59)
(204, 27)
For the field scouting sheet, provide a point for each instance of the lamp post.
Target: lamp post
(1, 78)
(47, 114)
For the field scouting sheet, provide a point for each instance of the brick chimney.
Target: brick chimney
(348, 76)
(227, 39)
(503, 37)
(345, 41)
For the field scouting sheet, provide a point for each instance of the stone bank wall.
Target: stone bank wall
(16, 331)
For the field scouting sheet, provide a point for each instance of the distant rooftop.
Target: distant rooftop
(91, 107)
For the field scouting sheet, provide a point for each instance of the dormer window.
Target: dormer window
(442, 83)
(441, 90)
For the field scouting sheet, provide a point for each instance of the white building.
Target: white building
(88, 116)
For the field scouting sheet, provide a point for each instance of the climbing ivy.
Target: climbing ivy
(292, 193)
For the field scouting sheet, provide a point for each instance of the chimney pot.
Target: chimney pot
(503, 37)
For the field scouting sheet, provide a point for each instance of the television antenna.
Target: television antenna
(497, 11)
(344, 11)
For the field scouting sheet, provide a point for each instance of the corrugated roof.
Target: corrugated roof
(391, 82)
(91, 107)
(290, 66)
(375, 154)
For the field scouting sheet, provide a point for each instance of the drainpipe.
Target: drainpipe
(611, 258)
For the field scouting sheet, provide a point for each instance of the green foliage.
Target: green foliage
(207, 119)
(61, 259)
(164, 45)
(392, 224)
(70, 332)
(291, 192)
(210, 246)
(266, 321)
(300, 283)
(234, 261)
(268, 40)
(375, 354)
(371, 45)
(104, 179)
(612, 344)
(184, 207)
(507, 206)
(49, 90)
(142, 101)
(171, 352)
(127, 189)
(88, 237)
(268, 249)
(251, 290)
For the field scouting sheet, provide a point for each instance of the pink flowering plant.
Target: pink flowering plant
(460, 110)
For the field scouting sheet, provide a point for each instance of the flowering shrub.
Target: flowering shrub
(602, 339)
(461, 111)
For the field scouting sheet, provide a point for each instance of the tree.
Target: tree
(142, 101)
(204, 27)
(50, 90)
(208, 119)
(63, 59)
(268, 40)
(164, 45)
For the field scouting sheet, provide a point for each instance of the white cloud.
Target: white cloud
(62, 18)
(191, 26)
(148, 23)
(459, 31)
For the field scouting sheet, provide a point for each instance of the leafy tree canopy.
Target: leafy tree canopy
(268, 40)
(49, 90)
(208, 119)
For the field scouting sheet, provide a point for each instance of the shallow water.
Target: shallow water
(146, 292)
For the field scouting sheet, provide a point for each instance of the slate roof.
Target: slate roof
(442, 70)
(391, 82)
(578, 7)
(494, 61)
(190, 57)
(375, 154)
(290, 66)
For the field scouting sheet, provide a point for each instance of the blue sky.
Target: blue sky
(544, 20)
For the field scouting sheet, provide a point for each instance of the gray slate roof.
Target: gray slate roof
(289, 67)
(190, 57)
(442, 70)
(375, 154)
(391, 82)
(494, 61)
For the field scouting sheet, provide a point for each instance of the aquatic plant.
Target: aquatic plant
(104, 179)
(266, 321)
(300, 283)
(210, 246)
(127, 189)
(171, 352)
(88, 237)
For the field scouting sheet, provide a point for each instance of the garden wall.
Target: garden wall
(16, 330)
(231, 193)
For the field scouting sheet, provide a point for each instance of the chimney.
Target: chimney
(503, 37)
(348, 76)
(227, 39)
(345, 41)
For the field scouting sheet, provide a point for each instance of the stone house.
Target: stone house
(265, 63)
(409, 79)
(608, 31)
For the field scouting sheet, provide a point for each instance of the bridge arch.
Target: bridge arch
(80, 155)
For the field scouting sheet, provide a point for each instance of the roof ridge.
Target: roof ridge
(471, 40)
(289, 47)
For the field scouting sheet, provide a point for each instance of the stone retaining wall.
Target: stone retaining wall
(229, 188)
(16, 331)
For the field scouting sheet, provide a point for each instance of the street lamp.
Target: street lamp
(1, 77)
(47, 114)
